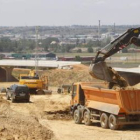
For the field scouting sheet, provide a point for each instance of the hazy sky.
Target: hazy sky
(69, 12)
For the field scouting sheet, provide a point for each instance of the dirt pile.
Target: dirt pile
(58, 108)
(58, 115)
(17, 126)
(59, 77)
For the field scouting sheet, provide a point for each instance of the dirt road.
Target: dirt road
(45, 117)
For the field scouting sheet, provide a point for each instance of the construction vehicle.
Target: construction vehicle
(99, 68)
(112, 108)
(34, 82)
(116, 105)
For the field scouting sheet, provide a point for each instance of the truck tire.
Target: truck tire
(12, 99)
(113, 122)
(7, 96)
(104, 120)
(28, 100)
(40, 92)
(77, 116)
(87, 119)
(120, 127)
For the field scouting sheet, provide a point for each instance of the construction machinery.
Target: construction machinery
(116, 105)
(35, 83)
(99, 68)
(112, 108)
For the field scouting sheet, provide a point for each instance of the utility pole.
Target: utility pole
(99, 30)
(114, 29)
(36, 59)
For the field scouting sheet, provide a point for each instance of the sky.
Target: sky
(69, 12)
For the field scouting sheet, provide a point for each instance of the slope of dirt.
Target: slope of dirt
(79, 73)
(20, 126)
(47, 116)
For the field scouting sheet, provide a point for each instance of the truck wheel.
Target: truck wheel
(40, 92)
(77, 116)
(104, 120)
(12, 99)
(87, 119)
(120, 127)
(28, 100)
(7, 96)
(113, 122)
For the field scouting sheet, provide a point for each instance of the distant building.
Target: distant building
(40, 56)
(44, 56)
(77, 48)
(53, 42)
(51, 56)
(82, 58)
(21, 56)
(39, 49)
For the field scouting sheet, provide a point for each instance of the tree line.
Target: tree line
(49, 44)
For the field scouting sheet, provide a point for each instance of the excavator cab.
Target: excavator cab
(99, 69)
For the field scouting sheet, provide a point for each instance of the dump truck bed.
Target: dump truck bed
(112, 101)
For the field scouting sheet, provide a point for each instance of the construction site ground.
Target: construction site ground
(47, 116)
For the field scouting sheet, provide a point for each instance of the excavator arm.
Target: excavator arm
(100, 70)
(127, 38)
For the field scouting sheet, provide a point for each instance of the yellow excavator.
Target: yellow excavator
(36, 84)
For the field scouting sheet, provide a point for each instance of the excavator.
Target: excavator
(36, 84)
(99, 69)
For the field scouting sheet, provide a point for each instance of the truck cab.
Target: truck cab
(78, 96)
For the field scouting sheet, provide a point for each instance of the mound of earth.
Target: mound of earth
(79, 73)
(16, 126)
(57, 107)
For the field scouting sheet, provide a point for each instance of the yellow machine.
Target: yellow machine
(34, 82)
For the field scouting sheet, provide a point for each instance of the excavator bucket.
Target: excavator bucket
(100, 71)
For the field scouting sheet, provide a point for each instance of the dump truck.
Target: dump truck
(34, 82)
(116, 105)
(113, 108)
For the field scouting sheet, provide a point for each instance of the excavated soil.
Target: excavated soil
(58, 108)
(47, 117)
(27, 121)
(19, 126)
(79, 73)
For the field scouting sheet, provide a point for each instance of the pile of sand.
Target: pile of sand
(16, 126)
(57, 108)
(60, 77)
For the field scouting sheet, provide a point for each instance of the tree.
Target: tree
(90, 50)
(124, 50)
(79, 51)
(77, 58)
(46, 43)
(77, 41)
